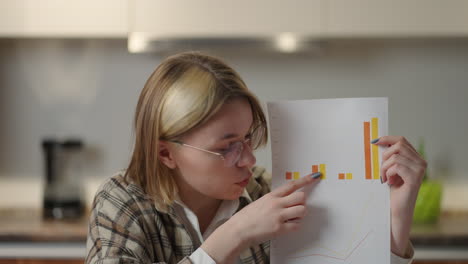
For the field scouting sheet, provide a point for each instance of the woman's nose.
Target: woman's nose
(247, 158)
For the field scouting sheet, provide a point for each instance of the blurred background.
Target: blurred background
(71, 72)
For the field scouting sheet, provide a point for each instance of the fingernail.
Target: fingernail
(375, 141)
(316, 175)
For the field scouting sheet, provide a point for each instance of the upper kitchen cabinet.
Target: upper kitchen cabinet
(396, 18)
(154, 23)
(278, 22)
(214, 18)
(64, 19)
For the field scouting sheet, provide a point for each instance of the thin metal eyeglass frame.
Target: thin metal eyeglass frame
(217, 153)
(221, 155)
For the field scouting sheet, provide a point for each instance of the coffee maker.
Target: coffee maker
(62, 191)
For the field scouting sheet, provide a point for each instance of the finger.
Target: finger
(407, 157)
(295, 198)
(400, 148)
(294, 212)
(391, 140)
(386, 164)
(395, 181)
(294, 185)
(395, 159)
(408, 175)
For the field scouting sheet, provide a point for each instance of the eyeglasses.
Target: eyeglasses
(232, 154)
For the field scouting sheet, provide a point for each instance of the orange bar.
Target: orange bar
(288, 175)
(367, 150)
(341, 176)
(314, 168)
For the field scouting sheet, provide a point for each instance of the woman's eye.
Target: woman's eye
(223, 150)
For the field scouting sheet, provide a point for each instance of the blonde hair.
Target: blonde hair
(184, 92)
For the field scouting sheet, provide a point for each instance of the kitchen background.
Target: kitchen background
(66, 71)
(89, 89)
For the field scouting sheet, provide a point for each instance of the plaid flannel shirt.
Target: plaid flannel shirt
(126, 227)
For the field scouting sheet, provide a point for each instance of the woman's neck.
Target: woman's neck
(202, 206)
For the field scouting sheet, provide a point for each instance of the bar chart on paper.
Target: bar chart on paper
(349, 210)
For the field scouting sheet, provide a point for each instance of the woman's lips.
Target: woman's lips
(244, 182)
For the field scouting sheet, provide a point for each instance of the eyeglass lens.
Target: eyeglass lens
(233, 154)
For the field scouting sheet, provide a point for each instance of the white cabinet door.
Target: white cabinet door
(63, 18)
(396, 18)
(225, 18)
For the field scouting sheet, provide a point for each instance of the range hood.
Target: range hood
(254, 25)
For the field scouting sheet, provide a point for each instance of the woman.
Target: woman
(191, 193)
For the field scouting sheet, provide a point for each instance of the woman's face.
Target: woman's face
(206, 174)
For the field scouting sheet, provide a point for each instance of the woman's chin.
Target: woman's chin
(233, 195)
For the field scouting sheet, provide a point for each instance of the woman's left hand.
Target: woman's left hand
(403, 169)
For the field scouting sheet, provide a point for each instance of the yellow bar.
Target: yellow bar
(296, 175)
(375, 149)
(323, 170)
(349, 176)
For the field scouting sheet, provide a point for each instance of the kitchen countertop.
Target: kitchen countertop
(27, 225)
(20, 228)
(24, 234)
(450, 230)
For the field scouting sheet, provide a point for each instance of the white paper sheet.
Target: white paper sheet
(348, 219)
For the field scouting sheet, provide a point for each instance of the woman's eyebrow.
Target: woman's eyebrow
(232, 135)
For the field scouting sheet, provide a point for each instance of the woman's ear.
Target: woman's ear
(166, 155)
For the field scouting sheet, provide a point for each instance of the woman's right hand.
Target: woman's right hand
(276, 213)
